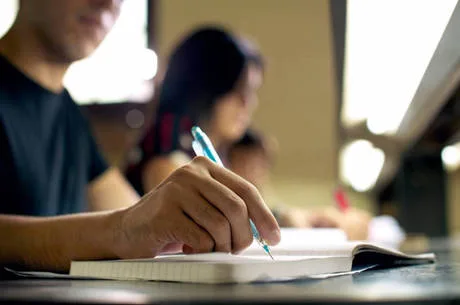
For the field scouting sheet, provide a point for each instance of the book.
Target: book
(307, 260)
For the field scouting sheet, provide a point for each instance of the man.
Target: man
(49, 163)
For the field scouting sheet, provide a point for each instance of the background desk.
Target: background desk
(427, 284)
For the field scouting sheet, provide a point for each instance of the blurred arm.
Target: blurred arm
(110, 191)
(159, 168)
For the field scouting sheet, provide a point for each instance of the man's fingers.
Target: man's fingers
(195, 176)
(256, 207)
(232, 208)
(226, 199)
(209, 218)
(187, 232)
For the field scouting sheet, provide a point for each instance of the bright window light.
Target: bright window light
(377, 127)
(361, 164)
(8, 11)
(389, 44)
(120, 68)
(451, 157)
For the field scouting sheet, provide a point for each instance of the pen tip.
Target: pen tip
(269, 253)
(267, 249)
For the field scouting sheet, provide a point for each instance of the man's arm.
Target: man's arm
(201, 207)
(50, 243)
(110, 191)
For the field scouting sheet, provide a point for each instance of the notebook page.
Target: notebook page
(217, 257)
(201, 257)
(307, 249)
(298, 240)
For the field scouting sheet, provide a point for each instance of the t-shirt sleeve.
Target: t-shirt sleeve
(5, 157)
(7, 174)
(97, 164)
(95, 160)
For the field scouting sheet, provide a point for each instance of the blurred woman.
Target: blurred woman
(211, 80)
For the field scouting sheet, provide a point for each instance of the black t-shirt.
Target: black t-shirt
(47, 153)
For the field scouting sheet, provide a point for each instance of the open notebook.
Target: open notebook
(310, 261)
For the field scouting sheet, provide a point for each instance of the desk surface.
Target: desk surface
(428, 284)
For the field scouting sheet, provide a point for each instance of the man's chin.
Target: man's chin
(80, 52)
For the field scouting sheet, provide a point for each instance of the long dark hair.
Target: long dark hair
(202, 68)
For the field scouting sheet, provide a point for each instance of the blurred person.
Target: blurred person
(211, 80)
(253, 157)
(50, 164)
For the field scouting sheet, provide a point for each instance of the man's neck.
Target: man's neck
(27, 54)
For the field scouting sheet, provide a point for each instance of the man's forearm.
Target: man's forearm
(51, 243)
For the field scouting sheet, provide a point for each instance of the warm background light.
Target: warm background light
(360, 164)
(451, 157)
(8, 11)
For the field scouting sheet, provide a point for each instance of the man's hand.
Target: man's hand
(201, 207)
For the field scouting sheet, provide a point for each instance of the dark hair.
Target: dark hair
(202, 68)
(254, 140)
(250, 139)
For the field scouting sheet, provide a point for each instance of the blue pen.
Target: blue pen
(203, 147)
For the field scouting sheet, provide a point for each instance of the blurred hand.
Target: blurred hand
(201, 207)
(354, 222)
(294, 217)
